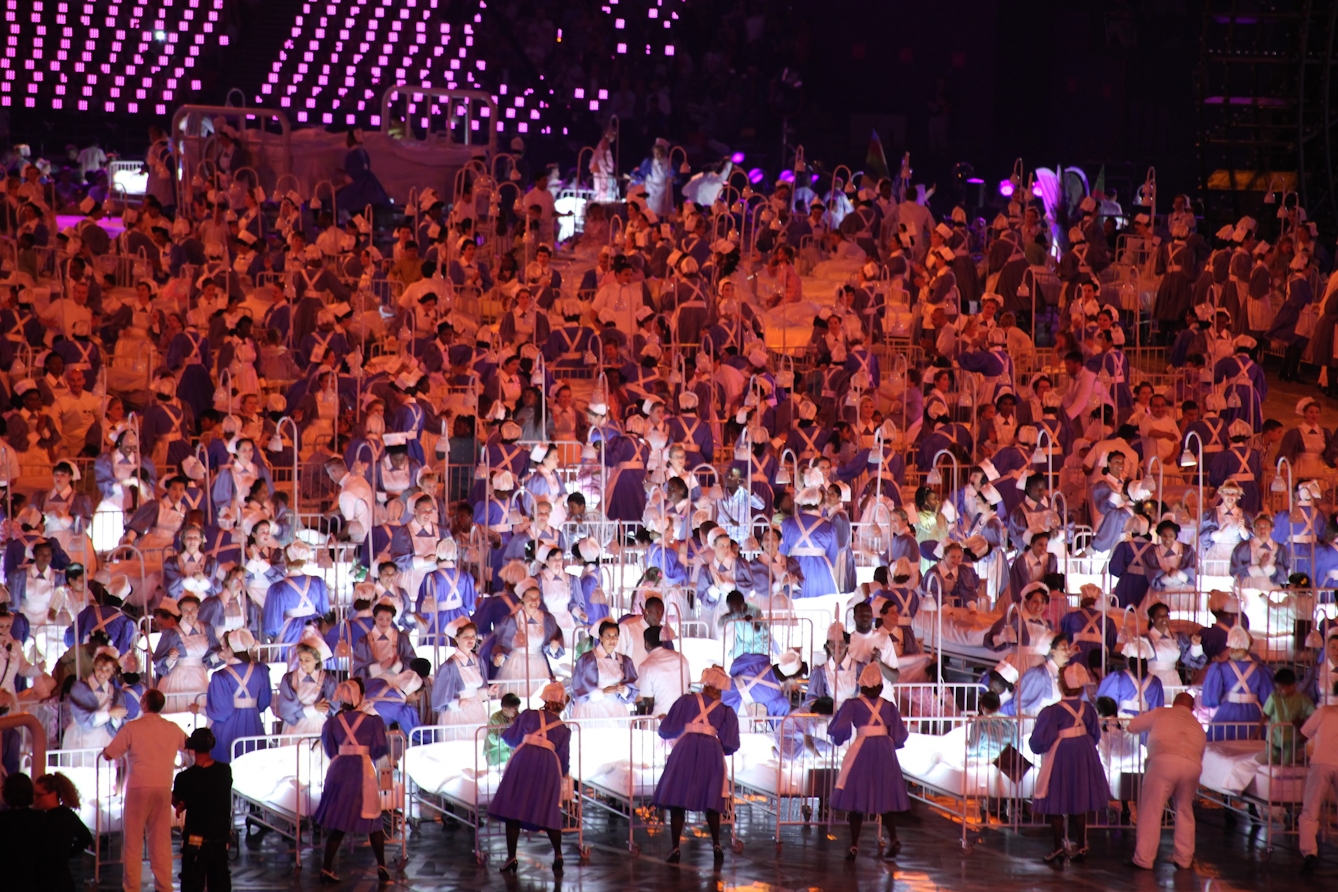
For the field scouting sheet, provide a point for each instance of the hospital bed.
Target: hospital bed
(101, 798)
(1252, 778)
(452, 779)
(624, 767)
(788, 770)
(277, 783)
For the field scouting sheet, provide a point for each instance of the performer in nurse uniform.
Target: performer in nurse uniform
(97, 705)
(460, 687)
(603, 681)
(385, 649)
(184, 654)
(306, 693)
(870, 782)
(523, 642)
(534, 786)
(238, 694)
(297, 599)
(811, 540)
(695, 777)
(1072, 780)
(444, 596)
(1236, 689)
(1170, 648)
(350, 801)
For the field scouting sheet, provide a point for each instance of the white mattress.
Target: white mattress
(628, 781)
(99, 814)
(961, 627)
(799, 777)
(271, 777)
(941, 762)
(1233, 766)
(449, 767)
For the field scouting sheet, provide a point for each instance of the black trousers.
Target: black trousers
(206, 865)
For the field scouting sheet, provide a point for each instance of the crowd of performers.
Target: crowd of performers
(582, 412)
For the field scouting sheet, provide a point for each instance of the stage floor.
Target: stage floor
(931, 859)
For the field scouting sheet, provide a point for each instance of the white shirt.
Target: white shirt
(65, 312)
(13, 663)
(622, 300)
(355, 501)
(74, 415)
(151, 743)
(1172, 731)
(632, 640)
(876, 642)
(664, 674)
(1322, 728)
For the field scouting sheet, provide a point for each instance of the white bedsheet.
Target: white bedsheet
(99, 814)
(457, 770)
(941, 762)
(1233, 766)
(627, 780)
(804, 777)
(282, 777)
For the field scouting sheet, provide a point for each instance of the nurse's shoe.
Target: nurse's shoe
(511, 866)
(1057, 856)
(674, 857)
(718, 855)
(382, 876)
(329, 876)
(852, 853)
(893, 850)
(1309, 864)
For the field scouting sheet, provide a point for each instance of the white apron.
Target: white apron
(609, 706)
(471, 713)
(308, 694)
(188, 680)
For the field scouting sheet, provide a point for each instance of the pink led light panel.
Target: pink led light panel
(115, 41)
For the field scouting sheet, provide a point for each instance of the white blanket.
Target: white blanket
(282, 777)
(1234, 767)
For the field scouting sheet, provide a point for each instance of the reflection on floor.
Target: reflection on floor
(809, 859)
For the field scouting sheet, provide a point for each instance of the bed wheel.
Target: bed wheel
(779, 845)
(585, 854)
(1266, 855)
(635, 849)
(737, 846)
(967, 848)
(481, 858)
(807, 812)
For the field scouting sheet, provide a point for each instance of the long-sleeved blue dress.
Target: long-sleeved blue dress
(531, 789)
(695, 777)
(870, 781)
(237, 696)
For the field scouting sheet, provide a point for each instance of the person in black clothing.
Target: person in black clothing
(21, 830)
(66, 837)
(204, 792)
